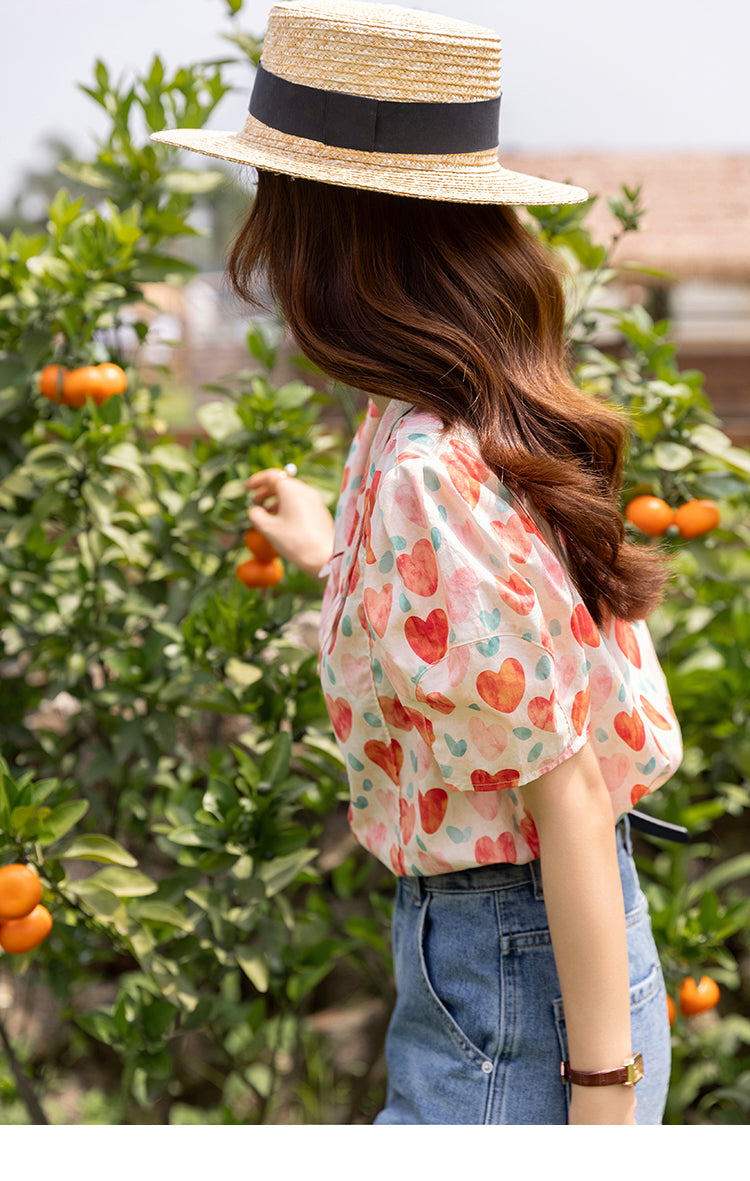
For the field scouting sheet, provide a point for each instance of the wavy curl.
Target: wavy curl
(457, 309)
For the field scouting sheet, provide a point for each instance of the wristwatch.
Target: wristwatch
(628, 1074)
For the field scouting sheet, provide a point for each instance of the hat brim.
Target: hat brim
(439, 179)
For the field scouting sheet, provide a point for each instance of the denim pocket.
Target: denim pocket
(460, 970)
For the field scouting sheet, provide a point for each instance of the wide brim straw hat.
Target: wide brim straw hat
(378, 97)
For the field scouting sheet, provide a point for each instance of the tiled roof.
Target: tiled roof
(698, 219)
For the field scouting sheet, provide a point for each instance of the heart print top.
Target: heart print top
(458, 660)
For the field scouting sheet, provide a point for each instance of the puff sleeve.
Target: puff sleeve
(466, 605)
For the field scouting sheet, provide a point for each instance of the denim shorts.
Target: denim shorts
(478, 1031)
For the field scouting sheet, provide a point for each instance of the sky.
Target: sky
(584, 75)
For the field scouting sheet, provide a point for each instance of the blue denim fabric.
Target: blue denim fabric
(478, 1031)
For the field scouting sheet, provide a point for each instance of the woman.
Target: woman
(485, 663)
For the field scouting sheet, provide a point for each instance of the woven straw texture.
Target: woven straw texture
(390, 53)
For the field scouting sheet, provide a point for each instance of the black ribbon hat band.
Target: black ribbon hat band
(372, 124)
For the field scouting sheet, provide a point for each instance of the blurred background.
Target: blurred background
(598, 94)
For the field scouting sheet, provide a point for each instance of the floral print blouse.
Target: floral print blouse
(459, 662)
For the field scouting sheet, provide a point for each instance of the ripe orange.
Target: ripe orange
(20, 935)
(80, 384)
(112, 380)
(698, 998)
(51, 382)
(696, 517)
(256, 574)
(650, 514)
(671, 1010)
(259, 546)
(20, 891)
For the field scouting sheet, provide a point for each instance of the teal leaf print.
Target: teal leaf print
(403, 602)
(543, 667)
(421, 843)
(360, 802)
(346, 625)
(489, 647)
(414, 760)
(523, 732)
(331, 676)
(646, 768)
(622, 694)
(490, 619)
(386, 562)
(355, 763)
(377, 670)
(535, 752)
(442, 512)
(555, 627)
(435, 538)
(398, 543)
(431, 478)
(445, 770)
(356, 482)
(459, 836)
(367, 785)
(601, 735)
(457, 749)
(372, 719)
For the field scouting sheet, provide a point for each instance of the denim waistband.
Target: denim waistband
(502, 876)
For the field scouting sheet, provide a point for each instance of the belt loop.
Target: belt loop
(415, 886)
(535, 868)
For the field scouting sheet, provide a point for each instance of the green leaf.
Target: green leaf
(254, 966)
(282, 871)
(672, 457)
(61, 819)
(124, 882)
(274, 766)
(219, 420)
(95, 848)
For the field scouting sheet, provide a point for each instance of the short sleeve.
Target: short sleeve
(460, 591)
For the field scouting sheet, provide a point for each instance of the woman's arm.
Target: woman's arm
(573, 816)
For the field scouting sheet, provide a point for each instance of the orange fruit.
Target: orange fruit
(696, 517)
(20, 935)
(51, 382)
(650, 514)
(20, 891)
(112, 380)
(671, 1010)
(80, 384)
(259, 546)
(256, 574)
(698, 998)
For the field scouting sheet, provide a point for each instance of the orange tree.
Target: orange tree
(169, 769)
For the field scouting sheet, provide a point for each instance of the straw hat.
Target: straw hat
(378, 97)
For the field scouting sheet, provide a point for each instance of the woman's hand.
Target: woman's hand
(296, 521)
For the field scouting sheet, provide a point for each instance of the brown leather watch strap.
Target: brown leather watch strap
(628, 1074)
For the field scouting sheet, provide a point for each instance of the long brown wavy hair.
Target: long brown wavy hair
(459, 310)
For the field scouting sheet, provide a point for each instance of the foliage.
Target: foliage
(169, 766)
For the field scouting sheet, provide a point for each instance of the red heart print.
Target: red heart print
(637, 792)
(504, 690)
(467, 457)
(627, 642)
(489, 852)
(541, 711)
(340, 713)
(378, 607)
(580, 710)
(390, 758)
(583, 627)
(494, 780)
(411, 506)
(513, 538)
(654, 716)
(397, 717)
(432, 808)
(423, 725)
(516, 593)
(428, 637)
(397, 861)
(407, 817)
(443, 704)
(631, 729)
(530, 835)
(419, 568)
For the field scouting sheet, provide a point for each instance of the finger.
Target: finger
(264, 477)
